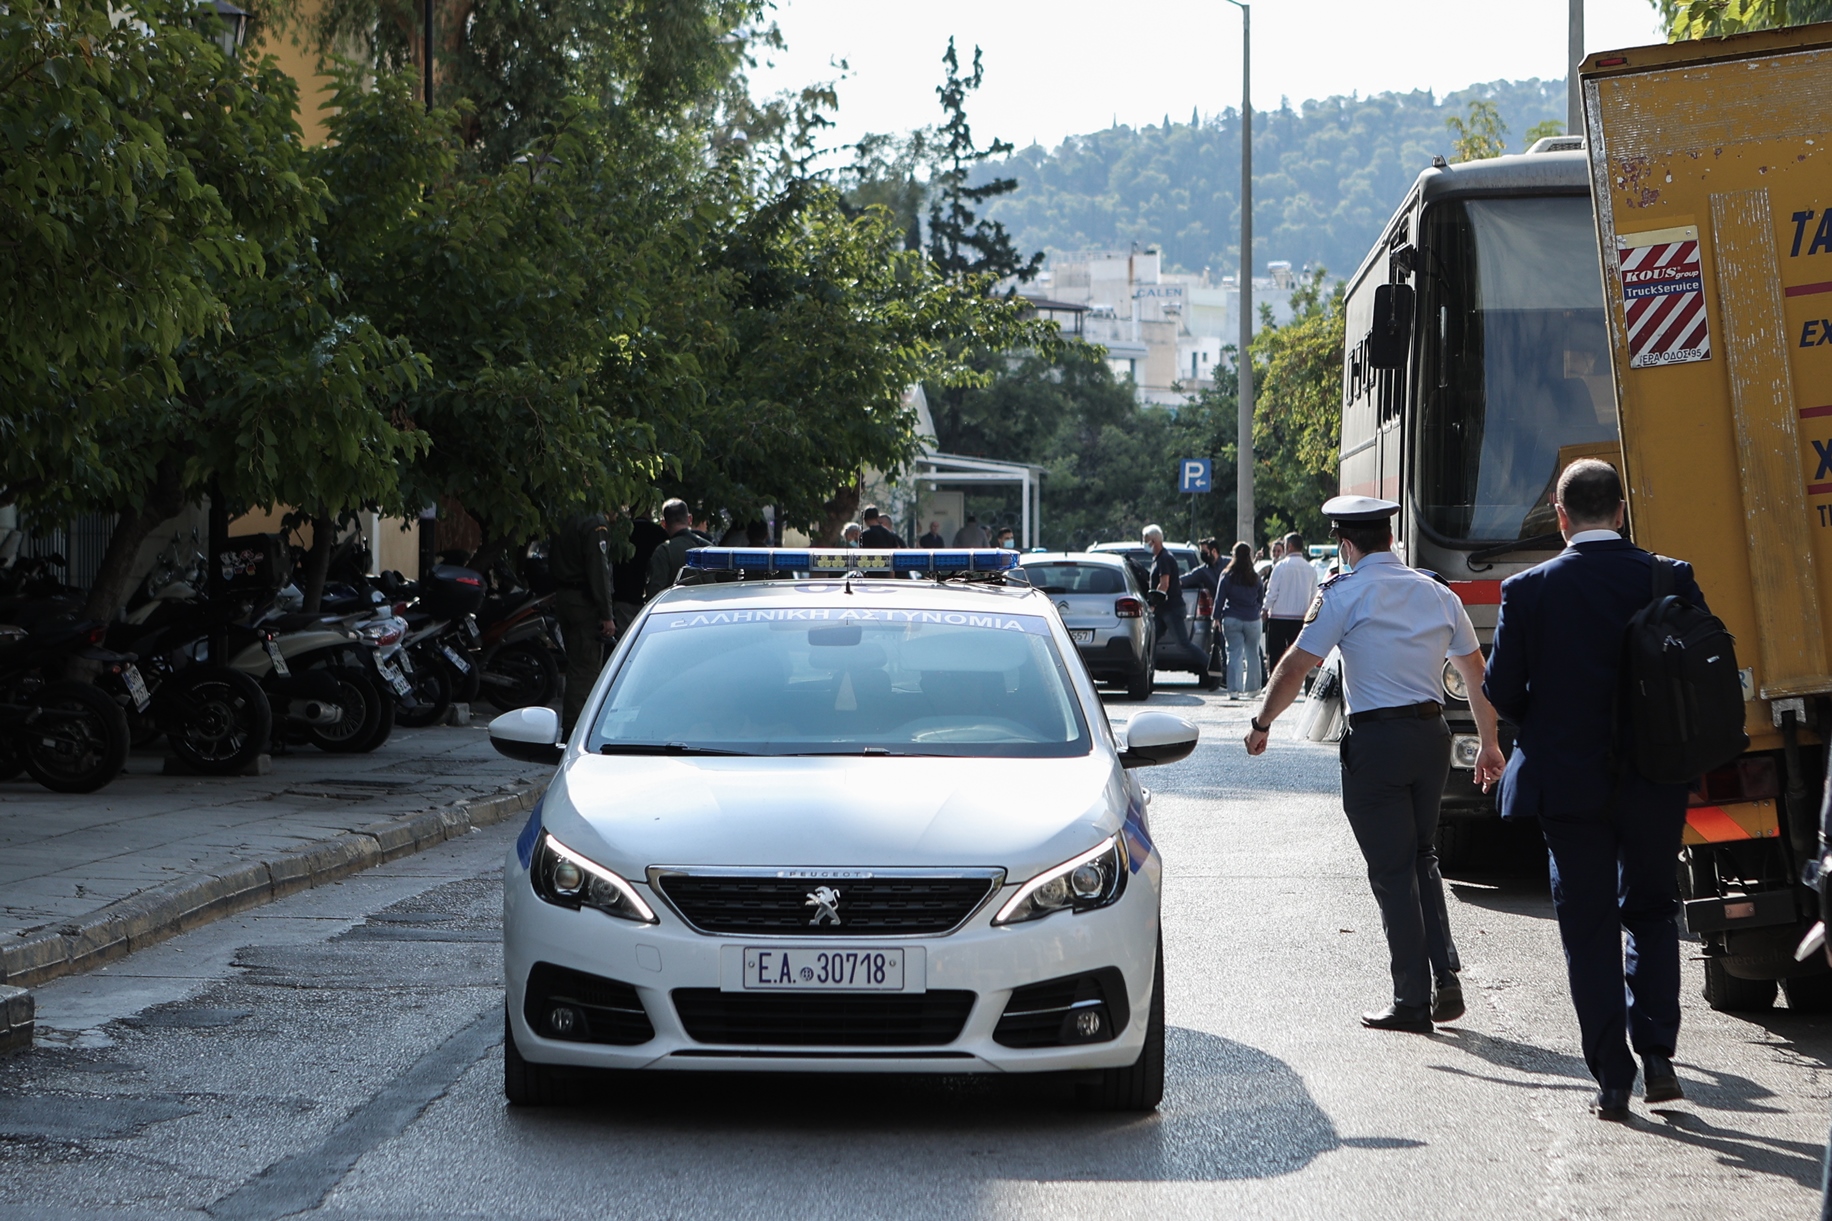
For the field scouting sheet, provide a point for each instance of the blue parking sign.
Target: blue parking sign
(1196, 475)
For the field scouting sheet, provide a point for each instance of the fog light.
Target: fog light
(568, 876)
(562, 1020)
(1087, 1023)
(1087, 881)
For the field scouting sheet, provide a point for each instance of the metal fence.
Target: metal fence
(82, 541)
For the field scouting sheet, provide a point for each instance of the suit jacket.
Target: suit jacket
(1554, 671)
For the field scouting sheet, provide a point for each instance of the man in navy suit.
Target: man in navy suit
(1613, 836)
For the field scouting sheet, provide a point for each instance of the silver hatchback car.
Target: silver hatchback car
(1106, 612)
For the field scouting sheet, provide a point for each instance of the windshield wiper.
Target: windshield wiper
(870, 752)
(663, 748)
(1538, 542)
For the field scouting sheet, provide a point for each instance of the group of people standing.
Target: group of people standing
(1255, 618)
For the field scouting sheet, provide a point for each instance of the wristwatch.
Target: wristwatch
(1257, 727)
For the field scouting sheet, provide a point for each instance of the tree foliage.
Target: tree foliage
(1478, 135)
(1328, 174)
(1683, 19)
(961, 241)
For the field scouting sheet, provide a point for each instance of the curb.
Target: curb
(164, 911)
(16, 1010)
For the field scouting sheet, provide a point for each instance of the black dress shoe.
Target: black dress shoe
(1611, 1104)
(1398, 1017)
(1447, 1001)
(1662, 1081)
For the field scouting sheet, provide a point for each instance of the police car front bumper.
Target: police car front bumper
(987, 962)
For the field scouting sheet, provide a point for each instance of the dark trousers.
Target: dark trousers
(583, 631)
(1611, 875)
(1392, 781)
(1280, 635)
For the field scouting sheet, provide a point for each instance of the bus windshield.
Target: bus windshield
(1513, 363)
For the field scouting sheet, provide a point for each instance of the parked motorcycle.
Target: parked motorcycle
(518, 645)
(69, 735)
(440, 650)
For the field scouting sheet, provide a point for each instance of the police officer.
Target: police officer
(581, 563)
(665, 564)
(1395, 626)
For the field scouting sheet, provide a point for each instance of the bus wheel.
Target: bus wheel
(1728, 994)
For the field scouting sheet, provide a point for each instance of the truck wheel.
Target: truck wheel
(1809, 993)
(1728, 994)
(1455, 838)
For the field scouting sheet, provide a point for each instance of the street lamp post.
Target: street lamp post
(1243, 516)
(1574, 118)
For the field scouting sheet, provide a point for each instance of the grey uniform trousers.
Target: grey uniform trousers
(583, 631)
(1393, 776)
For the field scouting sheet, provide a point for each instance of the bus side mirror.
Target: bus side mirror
(1391, 338)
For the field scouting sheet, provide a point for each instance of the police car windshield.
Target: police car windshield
(1514, 362)
(788, 681)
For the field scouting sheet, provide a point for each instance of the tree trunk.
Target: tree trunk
(840, 510)
(318, 562)
(114, 580)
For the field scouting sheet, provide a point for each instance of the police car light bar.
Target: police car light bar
(838, 559)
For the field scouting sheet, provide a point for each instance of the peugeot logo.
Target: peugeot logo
(827, 900)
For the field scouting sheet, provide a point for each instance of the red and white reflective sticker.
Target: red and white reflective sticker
(1663, 295)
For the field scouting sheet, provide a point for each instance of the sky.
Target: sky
(1071, 66)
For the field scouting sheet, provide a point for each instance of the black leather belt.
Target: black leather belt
(1405, 712)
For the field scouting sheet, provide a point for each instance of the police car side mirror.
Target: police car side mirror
(1157, 737)
(1391, 338)
(531, 735)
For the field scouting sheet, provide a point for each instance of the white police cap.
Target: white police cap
(1358, 510)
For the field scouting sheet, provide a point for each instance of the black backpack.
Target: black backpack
(1681, 693)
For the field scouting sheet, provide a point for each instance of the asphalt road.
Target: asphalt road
(338, 1053)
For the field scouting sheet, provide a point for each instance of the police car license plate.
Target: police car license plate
(1082, 635)
(136, 687)
(393, 677)
(779, 969)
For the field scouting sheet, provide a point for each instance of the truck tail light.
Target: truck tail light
(1129, 608)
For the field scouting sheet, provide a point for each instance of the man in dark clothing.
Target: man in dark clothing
(1207, 577)
(1612, 835)
(877, 536)
(1167, 579)
(630, 575)
(665, 564)
(933, 539)
(581, 562)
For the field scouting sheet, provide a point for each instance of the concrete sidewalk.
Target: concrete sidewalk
(88, 878)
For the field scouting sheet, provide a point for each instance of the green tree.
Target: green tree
(1544, 129)
(961, 242)
(1478, 135)
(1684, 19)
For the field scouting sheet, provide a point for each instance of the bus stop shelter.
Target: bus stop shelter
(948, 470)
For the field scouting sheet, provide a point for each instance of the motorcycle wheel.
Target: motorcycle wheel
(75, 738)
(363, 706)
(216, 719)
(521, 675)
(432, 692)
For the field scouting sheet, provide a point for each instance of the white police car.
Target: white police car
(840, 824)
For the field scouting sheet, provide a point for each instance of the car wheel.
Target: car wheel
(1140, 1085)
(1454, 841)
(1138, 687)
(531, 1085)
(1728, 994)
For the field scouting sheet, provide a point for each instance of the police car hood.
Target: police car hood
(633, 811)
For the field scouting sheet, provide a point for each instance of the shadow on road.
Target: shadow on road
(1230, 1112)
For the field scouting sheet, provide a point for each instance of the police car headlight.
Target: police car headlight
(566, 879)
(1094, 879)
(1454, 686)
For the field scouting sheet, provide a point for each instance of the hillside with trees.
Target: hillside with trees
(1327, 174)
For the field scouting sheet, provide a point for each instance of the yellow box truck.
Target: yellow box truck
(1711, 179)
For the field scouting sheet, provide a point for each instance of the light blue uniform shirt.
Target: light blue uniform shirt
(1395, 626)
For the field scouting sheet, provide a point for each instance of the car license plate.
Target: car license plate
(781, 969)
(136, 687)
(456, 658)
(392, 677)
(274, 655)
(1082, 635)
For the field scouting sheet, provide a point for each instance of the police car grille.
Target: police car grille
(866, 906)
(927, 1019)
